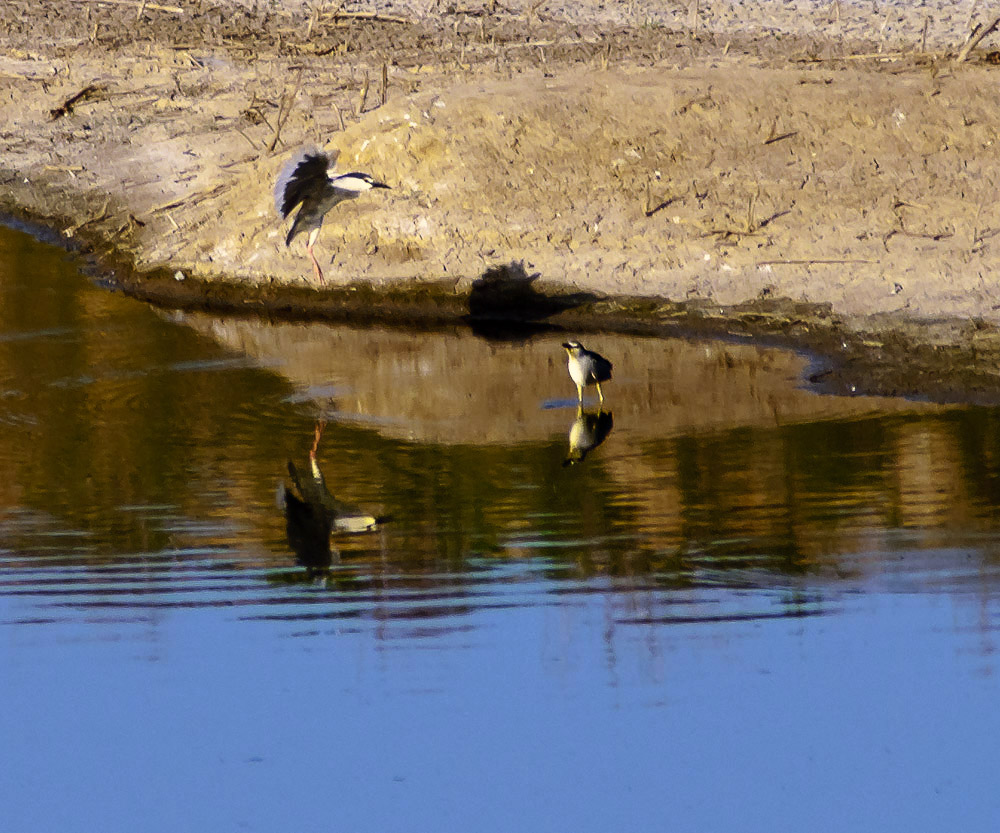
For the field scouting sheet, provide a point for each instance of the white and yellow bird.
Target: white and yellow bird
(586, 367)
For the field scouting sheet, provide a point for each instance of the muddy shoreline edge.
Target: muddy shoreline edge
(949, 361)
(162, 170)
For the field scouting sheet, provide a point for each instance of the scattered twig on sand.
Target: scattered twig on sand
(972, 13)
(378, 17)
(136, 4)
(384, 86)
(130, 225)
(33, 75)
(884, 30)
(314, 19)
(73, 170)
(250, 141)
(861, 56)
(606, 56)
(975, 227)
(533, 10)
(813, 262)
(649, 209)
(284, 111)
(363, 98)
(780, 136)
(652, 209)
(776, 136)
(975, 36)
(936, 236)
(88, 92)
(750, 223)
(188, 199)
(73, 229)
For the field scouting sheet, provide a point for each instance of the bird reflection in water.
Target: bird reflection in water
(313, 514)
(586, 433)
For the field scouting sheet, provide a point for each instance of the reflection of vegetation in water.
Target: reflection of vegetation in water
(114, 420)
(114, 408)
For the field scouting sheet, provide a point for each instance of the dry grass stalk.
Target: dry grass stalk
(811, 262)
(378, 17)
(975, 36)
(189, 199)
(71, 230)
(363, 98)
(88, 92)
(284, 111)
(140, 4)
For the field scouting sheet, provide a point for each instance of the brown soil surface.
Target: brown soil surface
(820, 172)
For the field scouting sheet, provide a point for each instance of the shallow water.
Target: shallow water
(748, 608)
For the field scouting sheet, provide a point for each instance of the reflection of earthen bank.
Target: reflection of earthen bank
(452, 387)
(814, 498)
(930, 491)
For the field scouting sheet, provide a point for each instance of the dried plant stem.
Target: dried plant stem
(140, 4)
(975, 36)
(363, 97)
(284, 110)
(811, 262)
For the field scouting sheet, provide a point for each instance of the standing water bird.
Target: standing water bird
(586, 367)
(306, 180)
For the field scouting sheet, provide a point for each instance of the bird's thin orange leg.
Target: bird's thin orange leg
(319, 272)
(317, 436)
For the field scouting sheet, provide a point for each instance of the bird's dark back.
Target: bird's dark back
(304, 177)
(602, 369)
(314, 207)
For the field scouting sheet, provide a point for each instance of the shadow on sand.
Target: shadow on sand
(504, 304)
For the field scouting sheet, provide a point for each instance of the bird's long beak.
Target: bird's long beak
(379, 185)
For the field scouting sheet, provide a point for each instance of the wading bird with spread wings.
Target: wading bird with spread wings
(306, 181)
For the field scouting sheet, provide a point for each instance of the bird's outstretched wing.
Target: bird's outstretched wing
(303, 175)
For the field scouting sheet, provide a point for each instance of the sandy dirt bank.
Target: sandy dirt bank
(717, 156)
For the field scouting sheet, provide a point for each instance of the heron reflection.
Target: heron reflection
(313, 514)
(586, 433)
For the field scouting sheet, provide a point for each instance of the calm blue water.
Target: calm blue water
(774, 612)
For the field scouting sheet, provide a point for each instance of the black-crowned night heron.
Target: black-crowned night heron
(586, 367)
(344, 517)
(313, 514)
(305, 180)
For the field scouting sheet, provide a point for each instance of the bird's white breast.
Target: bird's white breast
(578, 373)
